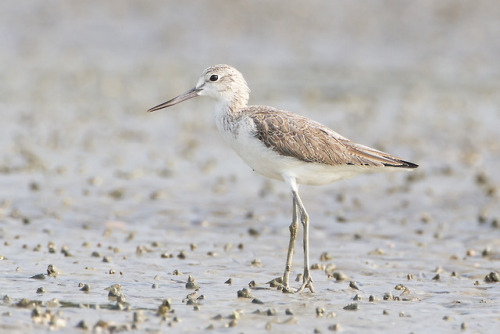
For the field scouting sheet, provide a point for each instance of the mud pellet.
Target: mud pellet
(164, 308)
(318, 266)
(256, 263)
(166, 255)
(289, 311)
(339, 276)
(356, 297)
(82, 324)
(40, 290)
(257, 301)
(191, 283)
(492, 277)
(85, 288)
(320, 312)
(371, 298)
(52, 271)
(271, 312)
(486, 252)
(325, 256)
(182, 255)
(229, 281)
(253, 232)
(329, 269)
(244, 293)
(334, 327)
(38, 276)
(351, 307)
(353, 285)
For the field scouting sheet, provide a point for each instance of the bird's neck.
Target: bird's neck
(227, 116)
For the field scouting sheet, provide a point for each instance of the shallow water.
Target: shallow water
(84, 168)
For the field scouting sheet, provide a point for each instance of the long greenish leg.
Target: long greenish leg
(294, 226)
(304, 218)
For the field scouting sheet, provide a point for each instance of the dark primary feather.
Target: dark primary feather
(299, 137)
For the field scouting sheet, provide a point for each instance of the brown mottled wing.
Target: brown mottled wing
(296, 136)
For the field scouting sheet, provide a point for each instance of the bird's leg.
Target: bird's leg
(304, 218)
(294, 226)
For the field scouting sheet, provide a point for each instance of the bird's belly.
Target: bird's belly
(269, 163)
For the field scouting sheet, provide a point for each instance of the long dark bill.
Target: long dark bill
(183, 97)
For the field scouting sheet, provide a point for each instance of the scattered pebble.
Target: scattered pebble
(191, 283)
(40, 290)
(182, 255)
(339, 276)
(52, 271)
(353, 285)
(320, 312)
(334, 327)
(325, 256)
(38, 276)
(164, 308)
(351, 307)
(271, 312)
(244, 293)
(82, 324)
(229, 281)
(492, 277)
(329, 269)
(388, 296)
(256, 263)
(253, 232)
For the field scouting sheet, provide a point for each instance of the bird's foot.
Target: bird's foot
(307, 283)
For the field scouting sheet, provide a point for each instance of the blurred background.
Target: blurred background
(79, 154)
(418, 79)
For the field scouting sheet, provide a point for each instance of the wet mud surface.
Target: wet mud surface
(113, 219)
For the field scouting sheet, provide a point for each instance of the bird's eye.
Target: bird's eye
(214, 77)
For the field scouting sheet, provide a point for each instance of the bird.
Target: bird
(284, 146)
